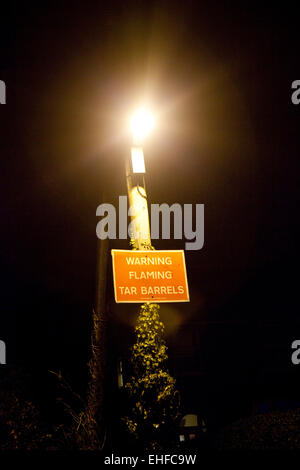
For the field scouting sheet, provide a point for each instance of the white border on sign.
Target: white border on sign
(147, 300)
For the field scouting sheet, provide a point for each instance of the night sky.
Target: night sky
(219, 78)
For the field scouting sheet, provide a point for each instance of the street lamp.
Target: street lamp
(141, 124)
(137, 160)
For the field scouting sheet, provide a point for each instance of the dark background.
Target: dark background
(219, 78)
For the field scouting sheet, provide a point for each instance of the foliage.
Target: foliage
(21, 426)
(276, 430)
(81, 432)
(154, 398)
(134, 247)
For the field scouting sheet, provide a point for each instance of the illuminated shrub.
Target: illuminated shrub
(152, 391)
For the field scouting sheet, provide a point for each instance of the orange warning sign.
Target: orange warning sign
(150, 276)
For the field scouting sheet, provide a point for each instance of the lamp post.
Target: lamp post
(142, 123)
(94, 422)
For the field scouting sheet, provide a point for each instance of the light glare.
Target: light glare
(137, 160)
(141, 124)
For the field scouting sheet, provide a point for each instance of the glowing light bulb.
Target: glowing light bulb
(142, 122)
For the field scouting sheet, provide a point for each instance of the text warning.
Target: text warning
(149, 276)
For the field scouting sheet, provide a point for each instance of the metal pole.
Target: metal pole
(94, 419)
(138, 204)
